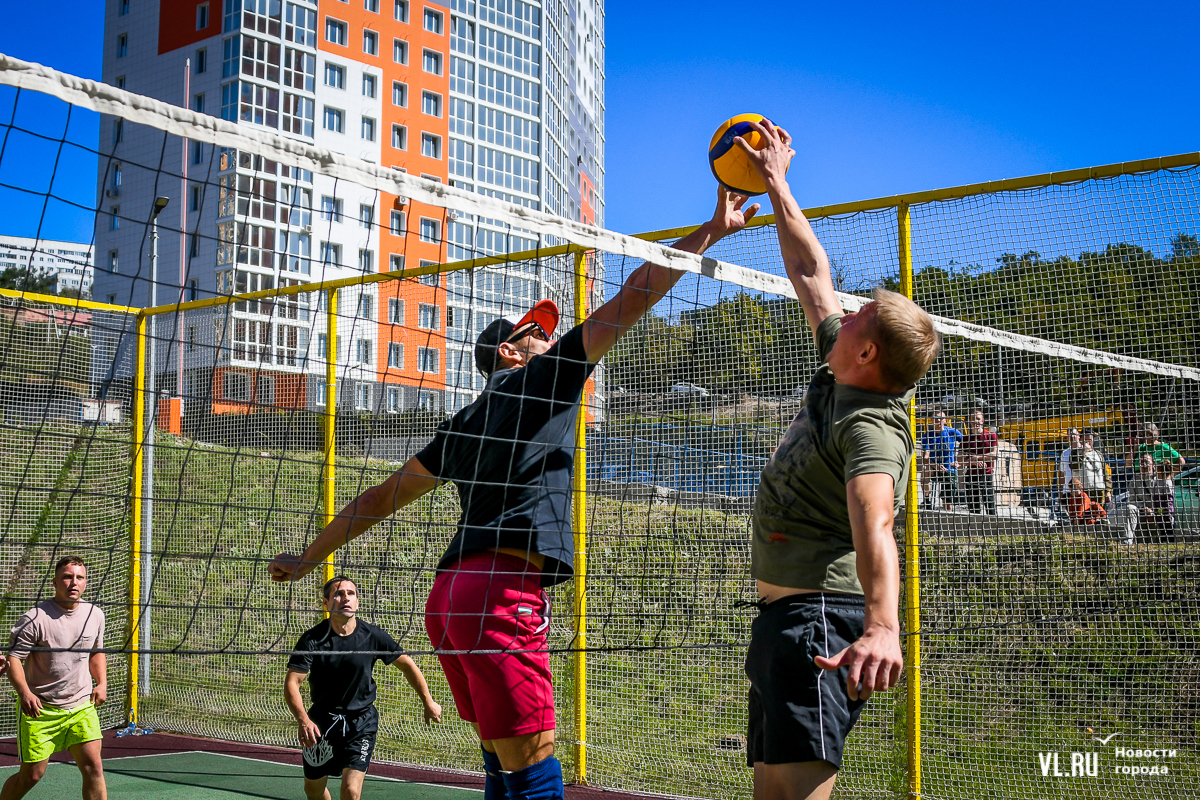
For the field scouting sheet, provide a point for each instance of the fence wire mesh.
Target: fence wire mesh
(1049, 626)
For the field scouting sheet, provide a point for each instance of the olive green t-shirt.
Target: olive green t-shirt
(801, 525)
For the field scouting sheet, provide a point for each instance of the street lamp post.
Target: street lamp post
(148, 494)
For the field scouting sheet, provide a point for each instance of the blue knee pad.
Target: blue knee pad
(493, 781)
(540, 781)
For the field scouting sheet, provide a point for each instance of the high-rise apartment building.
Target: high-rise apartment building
(502, 97)
(69, 263)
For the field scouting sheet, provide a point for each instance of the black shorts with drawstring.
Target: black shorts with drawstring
(347, 742)
(798, 711)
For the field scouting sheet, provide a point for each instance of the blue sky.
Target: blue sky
(881, 98)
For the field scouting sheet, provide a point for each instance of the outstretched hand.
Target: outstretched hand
(730, 217)
(875, 662)
(288, 567)
(771, 162)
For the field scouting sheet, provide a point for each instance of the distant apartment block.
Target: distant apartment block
(70, 263)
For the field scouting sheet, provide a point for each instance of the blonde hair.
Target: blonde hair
(907, 340)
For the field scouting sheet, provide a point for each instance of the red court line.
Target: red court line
(166, 743)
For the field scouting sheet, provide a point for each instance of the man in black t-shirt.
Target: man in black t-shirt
(510, 454)
(338, 656)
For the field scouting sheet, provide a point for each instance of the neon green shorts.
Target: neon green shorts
(56, 729)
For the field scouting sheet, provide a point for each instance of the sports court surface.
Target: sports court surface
(171, 767)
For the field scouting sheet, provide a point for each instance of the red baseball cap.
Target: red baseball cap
(544, 314)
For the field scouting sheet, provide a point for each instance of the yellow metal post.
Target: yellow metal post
(137, 490)
(579, 522)
(912, 582)
(329, 468)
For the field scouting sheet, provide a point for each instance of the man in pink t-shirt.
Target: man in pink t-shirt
(977, 461)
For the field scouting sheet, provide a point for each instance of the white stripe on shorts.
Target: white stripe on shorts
(821, 674)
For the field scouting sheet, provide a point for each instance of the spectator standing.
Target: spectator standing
(980, 448)
(1166, 458)
(1074, 442)
(1154, 499)
(1087, 464)
(939, 462)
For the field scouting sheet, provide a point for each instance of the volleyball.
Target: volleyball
(729, 164)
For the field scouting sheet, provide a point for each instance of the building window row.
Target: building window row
(506, 170)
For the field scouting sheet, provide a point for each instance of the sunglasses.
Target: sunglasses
(532, 329)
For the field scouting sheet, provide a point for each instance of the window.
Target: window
(120, 82)
(371, 5)
(299, 69)
(114, 218)
(395, 356)
(335, 76)
(197, 152)
(431, 145)
(366, 306)
(400, 51)
(431, 279)
(197, 198)
(335, 31)
(331, 253)
(393, 394)
(362, 351)
(431, 230)
(122, 45)
(202, 16)
(399, 137)
(427, 316)
(431, 104)
(320, 393)
(123, 8)
(202, 61)
(427, 401)
(335, 120)
(366, 260)
(322, 349)
(433, 21)
(397, 262)
(368, 129)
(301, 25)
(198, 103)
(370, 85)
(401, 11)
(399, 223)
(331, 208)
(362, 397)
(366, 215)
(112, 262)
(193, 290)
(237, 386)
(112, 299)
(298, 114)
(396, 311)
(258, 104)
(370, 43)
(432, 62)
(400, 94)
(118, 131)
(193, 245)
(427, 360)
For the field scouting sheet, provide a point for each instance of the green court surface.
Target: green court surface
(214, 776)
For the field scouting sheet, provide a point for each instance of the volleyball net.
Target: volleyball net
(302, 330)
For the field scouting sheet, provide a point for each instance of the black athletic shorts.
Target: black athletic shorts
(798, 711)
(347, 742)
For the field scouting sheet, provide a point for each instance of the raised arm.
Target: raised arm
(804, 258)
(875, 659)
(412, 674)
(372, 506)
(647, 284)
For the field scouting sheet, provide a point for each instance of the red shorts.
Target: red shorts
(494, 602)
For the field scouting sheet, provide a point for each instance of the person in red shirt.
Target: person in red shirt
(977, 460)
(1081, 509)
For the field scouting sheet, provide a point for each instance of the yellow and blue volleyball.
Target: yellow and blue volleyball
(729, 164)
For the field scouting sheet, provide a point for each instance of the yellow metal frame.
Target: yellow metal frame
(579, 523)
(579, 513)
(329, 465)
(136, 492)
(912, 561)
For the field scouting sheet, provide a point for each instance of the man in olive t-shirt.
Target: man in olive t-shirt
(823, 552)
